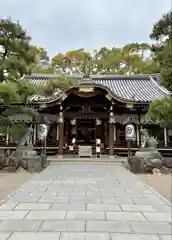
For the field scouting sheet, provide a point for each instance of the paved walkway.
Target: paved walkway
(85, 202)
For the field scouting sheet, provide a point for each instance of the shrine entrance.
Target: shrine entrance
(86, 131)
(86, 119)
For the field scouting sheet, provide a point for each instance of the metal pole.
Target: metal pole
(129, 148)
(45, 152)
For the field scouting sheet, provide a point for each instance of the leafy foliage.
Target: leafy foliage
(42, 64)
(17, 55)
(132, 58)
(160, 111)
(62, 82)
(162, 32)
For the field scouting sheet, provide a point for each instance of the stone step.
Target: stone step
(85, 160)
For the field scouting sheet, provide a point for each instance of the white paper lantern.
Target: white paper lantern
(73, 141)
(130, 132)
(98, 141)
(43, 131)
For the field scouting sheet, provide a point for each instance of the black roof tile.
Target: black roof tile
(134, 88)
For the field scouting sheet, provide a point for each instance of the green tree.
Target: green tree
(133, 58)
(73, 61)
(42, 65)
(161, 110)
(17, 55)
(15, 97)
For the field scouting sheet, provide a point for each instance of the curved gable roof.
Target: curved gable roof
(134, 88)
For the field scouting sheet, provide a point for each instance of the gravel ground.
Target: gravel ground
(9, 182)
(162, 184)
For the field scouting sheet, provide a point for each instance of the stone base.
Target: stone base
(34, 165)
(145, 160)
(29, 158)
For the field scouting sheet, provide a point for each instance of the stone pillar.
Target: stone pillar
(111, 132)
(165, 137)
(61, 133)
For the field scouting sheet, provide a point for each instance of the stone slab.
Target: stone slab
(148, 201)
(8, 206)
(103, 207)
(4, 236)
(35, 236)
(85, 215)
(84, 236)
(24, 199)
(167, 237)
(43, 194)
(54, 199)
(158, 217)
(163, 209)
(138, 208)
(13, 214)
(108, 226)
(68, 206)
(151, 228)
(86, 200)
(46, 215)
(62, 226)
(133, 237)
(19, 225)
(71, 194)
(116, 200)
(125, 216)
(33, 206)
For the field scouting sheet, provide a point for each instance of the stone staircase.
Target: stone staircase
(75, 159)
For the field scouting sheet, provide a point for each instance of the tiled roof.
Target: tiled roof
(134, 88)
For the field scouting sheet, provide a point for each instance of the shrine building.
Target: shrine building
(98, 107)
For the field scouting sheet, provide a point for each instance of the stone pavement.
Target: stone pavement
(85, 202)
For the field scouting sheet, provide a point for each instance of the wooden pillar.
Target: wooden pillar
(114, 138)
(111, 132)
(165, 137)
(61, 133)
(57, 133)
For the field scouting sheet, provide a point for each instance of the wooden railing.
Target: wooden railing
(55, 145)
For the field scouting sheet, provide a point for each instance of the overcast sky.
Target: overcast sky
(60, 25)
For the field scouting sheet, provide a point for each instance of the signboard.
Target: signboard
(85, 151)
(130, 132)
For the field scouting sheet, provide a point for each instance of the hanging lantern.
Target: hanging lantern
(43, 131)
(130, 132)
